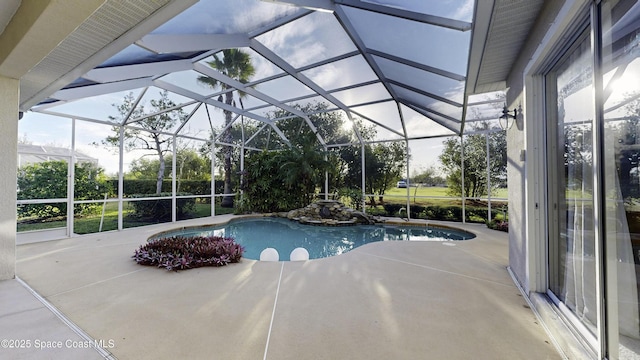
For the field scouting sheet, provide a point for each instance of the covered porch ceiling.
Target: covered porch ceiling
(408, 68)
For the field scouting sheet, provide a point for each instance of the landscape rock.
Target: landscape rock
(329, 212)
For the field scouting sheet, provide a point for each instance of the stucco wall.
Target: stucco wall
(525, 167)
(517, 211)
(9, 150)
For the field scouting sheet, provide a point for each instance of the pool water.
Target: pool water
(257, 234)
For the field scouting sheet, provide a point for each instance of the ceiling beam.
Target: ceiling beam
(320, 5)
(425, 93)
(253, 92)
(82, 92)
(135, 71)
(431, 69)
(164, 43)
(221, 105)
(281, 63)
(407, 14)
(348, 27)
(424, 111)
(197, 97)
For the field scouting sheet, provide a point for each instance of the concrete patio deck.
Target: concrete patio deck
(386, 300)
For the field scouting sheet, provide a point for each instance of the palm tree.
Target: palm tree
(303, 167)
(237, 65)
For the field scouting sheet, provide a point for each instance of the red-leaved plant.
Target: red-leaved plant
(180, 253)
(498, 225)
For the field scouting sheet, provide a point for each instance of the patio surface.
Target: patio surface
(385, 300)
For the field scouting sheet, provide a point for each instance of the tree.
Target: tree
(625, 137)
(577, 156)
(265, 190)
(475, 163)
(330, 126)
(143, 168)
(429, 176)
(304, 161)
(304, 165)
(190, 165)
(384, 165)
(148, 132)
(237, 65)
(90, 182)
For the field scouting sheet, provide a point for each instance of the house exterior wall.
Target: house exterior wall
(9, 100)
(525, 167)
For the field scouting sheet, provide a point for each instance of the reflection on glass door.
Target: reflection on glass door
(572, 275)
(621, 98)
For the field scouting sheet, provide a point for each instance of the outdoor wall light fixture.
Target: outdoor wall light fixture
(507, 119)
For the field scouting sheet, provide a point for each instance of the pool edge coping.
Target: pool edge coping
(275, 215)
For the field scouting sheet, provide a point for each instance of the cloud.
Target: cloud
(465, 12)
(249, 15)
(295, 41)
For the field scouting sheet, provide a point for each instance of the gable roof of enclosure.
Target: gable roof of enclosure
(406, 67)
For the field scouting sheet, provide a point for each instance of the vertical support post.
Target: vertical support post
(364, 195)
(242, 160)
(70, 179)
(462, 177)
(408, 182)
(326, 176)
(607, 328)
(488, 178)
(213, 178)
(121, 178)
(174, 175)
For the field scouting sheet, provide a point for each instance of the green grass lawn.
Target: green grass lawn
(435, 196)
(91, 224)
(436, 191)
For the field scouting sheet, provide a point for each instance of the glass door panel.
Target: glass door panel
(572, 275)
(621, 98)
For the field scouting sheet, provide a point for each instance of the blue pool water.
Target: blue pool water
(256, 234)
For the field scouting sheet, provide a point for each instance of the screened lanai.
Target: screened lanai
(377, 72)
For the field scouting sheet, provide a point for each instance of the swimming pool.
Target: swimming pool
(256, 234)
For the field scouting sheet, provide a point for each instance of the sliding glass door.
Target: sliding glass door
(591, 259)
(570, 113)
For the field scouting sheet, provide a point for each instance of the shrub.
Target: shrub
(180, 253)
(48, 180)
(160, 209)
(438, 212)
(418, 212)
(375, 211)
(265, 187)
(350, 197)
(393, 209)
(498, 225)
(476, 214)
(434, 212)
